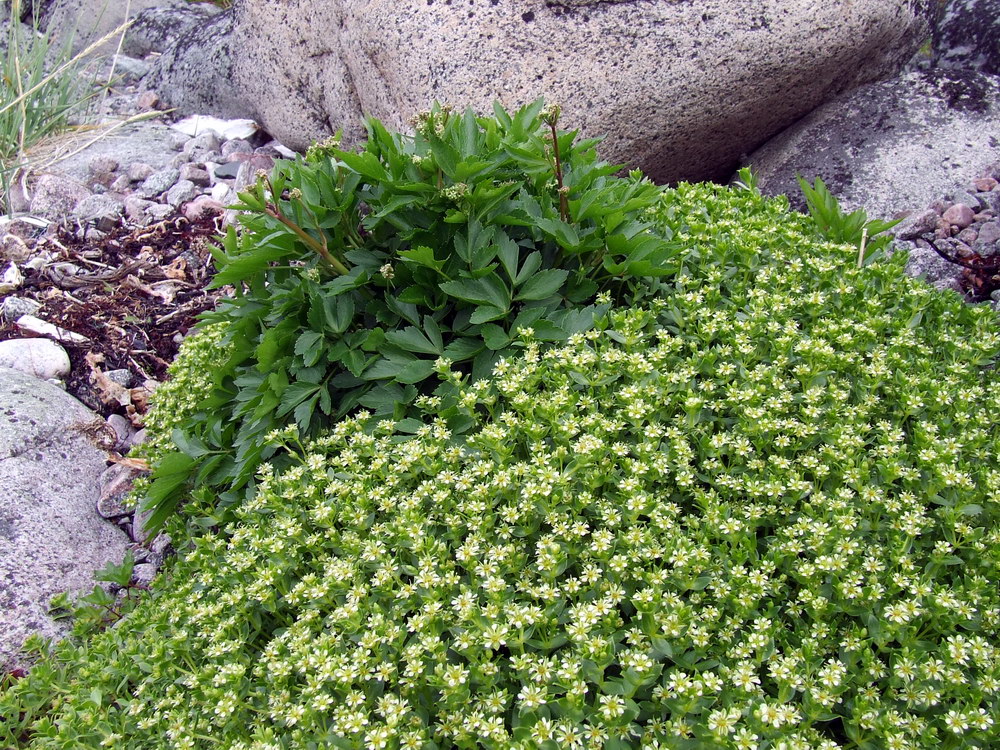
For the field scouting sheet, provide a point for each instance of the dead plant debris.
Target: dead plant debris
(134, 292)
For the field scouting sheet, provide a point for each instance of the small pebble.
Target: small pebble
(182, 192)
(102, 164)
(41, 358)
(195, 174)
(148, 100)
(178, 141)
(158, 183)
(200, 207)
(13, 308)
(236, 146)
(139, 171)
(124, 431)
(985, 184)
(121, 376)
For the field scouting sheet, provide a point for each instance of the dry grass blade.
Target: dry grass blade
(65, 67)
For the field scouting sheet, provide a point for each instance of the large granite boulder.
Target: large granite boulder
(51, 537)
(155, 29)
(194, 74)
(968, 36)
(86, 21)
(681, 89)
(892, 146)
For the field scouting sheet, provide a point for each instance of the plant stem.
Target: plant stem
(274, 212)
(563, 200)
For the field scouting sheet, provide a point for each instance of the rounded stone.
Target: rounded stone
(53, 538)
(40, 358)
(959, 215)
(158, 182)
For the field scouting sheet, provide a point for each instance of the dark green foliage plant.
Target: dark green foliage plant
(855, 228)
(377, 279)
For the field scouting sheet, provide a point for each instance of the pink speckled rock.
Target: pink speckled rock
(959, 215)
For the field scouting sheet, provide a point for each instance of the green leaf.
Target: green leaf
(309, 347)
(447, 158)
(242, 267)
(488, 290)
(531, 264)
(542, 285)
(294, 395)
(422, 256)
(486, 313)
(413, 340)
(495, 337)
(365, 164)
(189, 444)
(416, 371)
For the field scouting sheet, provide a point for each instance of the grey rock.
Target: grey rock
(14, 248)
(143, 574)
(102, 163)
(968, 235)
(194, 74)
(120, 376)
(137, 209)
(53, 540)
(236, 146)
(155, 29)
(13, 308)
(201, 207)
(116, 484)
(140, 437)
(55, 196)
(916, 224)
(891, 146)
(130, 67)
(182, 192)
(40, 358)
(158, 183)
(196, 175)
(988, 240)
(124, 431)
(139, 171)
(160, 546)
(121, 184)
(87, 21)
(202, 143)
(160, 211)
(104, 211)
(969, 199)
(136, 142)
(924, 263)
(39, 327)
(180, 160)
(739, 72)
(227, 171)
(177, 140)
(968, 36)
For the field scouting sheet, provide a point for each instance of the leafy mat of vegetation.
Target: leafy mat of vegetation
(364, 279)
(759, 511)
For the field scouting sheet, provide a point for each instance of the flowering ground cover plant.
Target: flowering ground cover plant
(761, 512)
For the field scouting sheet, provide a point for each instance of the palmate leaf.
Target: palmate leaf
(541, 285)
